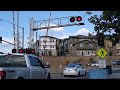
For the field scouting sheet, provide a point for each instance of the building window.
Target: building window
(82, 53)
(88, 53)
(92, 52)
(51, 46)
(90, 45)
(45, 46)
(117, 51)
(85, 44)
(81, 45)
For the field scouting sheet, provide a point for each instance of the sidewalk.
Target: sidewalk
(114, 76)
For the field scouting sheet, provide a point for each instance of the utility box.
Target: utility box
(98, 74)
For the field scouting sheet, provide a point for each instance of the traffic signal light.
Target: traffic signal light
(32, 51)
(27, 51)
(79, 18)
(21, 50)
(14, 50)
(73, 19)
(0, 39)
(101, 39)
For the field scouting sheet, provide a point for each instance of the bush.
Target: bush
(91, 59)
(79, 60)
(67, 62)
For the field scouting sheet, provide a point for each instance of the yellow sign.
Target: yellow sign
(101, 53)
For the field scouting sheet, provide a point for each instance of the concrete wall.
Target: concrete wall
(56, 61)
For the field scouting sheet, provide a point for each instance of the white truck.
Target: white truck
(23, 66)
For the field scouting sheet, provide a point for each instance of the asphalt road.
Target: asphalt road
(60, 76)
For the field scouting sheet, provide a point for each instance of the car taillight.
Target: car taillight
(2, 74)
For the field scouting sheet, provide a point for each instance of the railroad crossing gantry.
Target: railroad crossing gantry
(52, 23)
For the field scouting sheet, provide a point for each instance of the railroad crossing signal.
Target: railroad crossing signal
(78, 18)
(101, 53)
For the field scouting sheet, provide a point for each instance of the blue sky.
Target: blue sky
(6, 29)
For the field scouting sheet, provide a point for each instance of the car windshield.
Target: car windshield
(72, 65)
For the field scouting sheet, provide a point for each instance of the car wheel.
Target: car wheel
(65, 75)
(85, 73)
(20, 78)
(49, 76)
(79, 73)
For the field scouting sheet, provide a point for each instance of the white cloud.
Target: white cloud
(63, 37)
(83, 31)
(58, 29)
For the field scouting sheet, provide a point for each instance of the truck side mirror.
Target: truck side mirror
(47, 65)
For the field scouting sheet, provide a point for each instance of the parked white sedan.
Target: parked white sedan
(94, 64)
(74, 69)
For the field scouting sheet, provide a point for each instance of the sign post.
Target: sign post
(102, 62)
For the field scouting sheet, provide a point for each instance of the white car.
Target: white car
(94, 64)
(74, 69)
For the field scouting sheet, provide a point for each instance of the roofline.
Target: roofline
(50, 37)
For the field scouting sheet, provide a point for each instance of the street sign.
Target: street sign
(101, 53)
(102, 63)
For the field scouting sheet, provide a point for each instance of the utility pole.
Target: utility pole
(47, 34)
(14, 30)
(23, 38)
(17, 31)
(36, 42)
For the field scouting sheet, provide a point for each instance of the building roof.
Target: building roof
(83, 37)
(49, 37)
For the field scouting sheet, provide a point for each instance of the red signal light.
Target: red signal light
(13, 50)
(79, 18)
(72, 19)
(33, 51)
(20, 51)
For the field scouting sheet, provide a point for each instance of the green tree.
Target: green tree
(107, 22)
